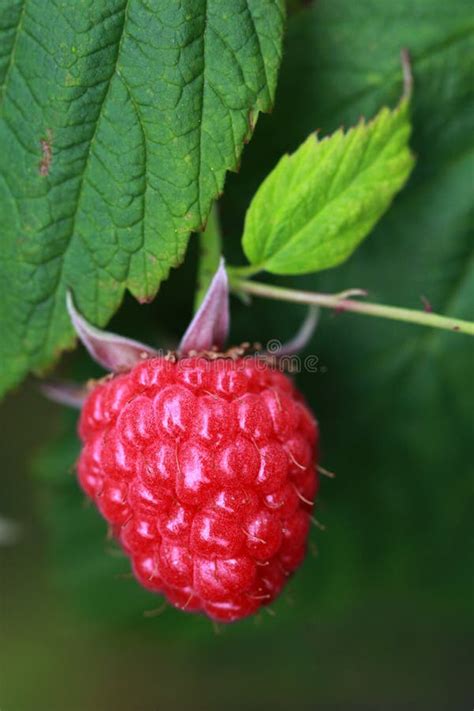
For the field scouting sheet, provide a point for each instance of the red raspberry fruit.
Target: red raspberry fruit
(205, 470)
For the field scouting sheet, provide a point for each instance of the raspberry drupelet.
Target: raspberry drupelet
(205, 470)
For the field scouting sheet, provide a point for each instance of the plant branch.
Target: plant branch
(340, 302)
(210, 249)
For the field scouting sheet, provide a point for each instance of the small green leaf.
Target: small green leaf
(319, 203)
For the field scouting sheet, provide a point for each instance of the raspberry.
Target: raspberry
(205, 471)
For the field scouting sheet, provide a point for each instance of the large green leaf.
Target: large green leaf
(318, 203)
(118, 122)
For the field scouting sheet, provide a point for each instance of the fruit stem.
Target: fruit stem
(340, 302)
(210, 250)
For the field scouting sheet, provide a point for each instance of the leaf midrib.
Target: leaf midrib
(19, 27)
(63, 257)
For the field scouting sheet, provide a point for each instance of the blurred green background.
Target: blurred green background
(382, 617)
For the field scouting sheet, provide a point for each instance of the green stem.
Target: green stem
(210, 250)
(340, 302)
(243, 272)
